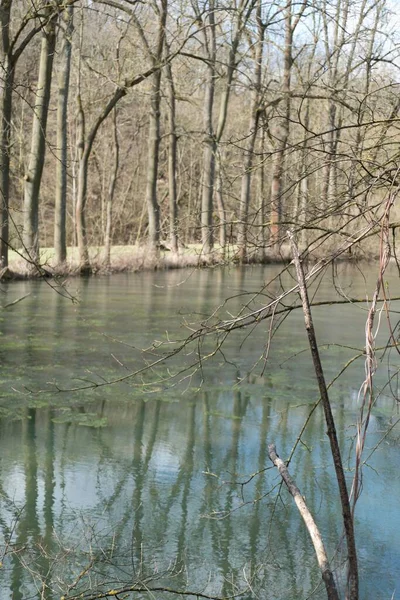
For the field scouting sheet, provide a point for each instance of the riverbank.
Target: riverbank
(129, 259)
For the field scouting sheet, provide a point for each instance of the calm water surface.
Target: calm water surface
(144, 478)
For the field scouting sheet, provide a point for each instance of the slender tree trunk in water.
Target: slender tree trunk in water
(34, 171)
(60, 243)
(172, 154)
(111, 192)
(209, 137)
(348, 522)
(252, 135)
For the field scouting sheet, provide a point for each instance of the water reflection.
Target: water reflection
(154, 480)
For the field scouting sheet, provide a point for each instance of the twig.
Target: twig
(140, 590)
(15, 301)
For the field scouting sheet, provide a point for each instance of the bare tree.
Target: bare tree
(172, 160)
(251, 138)
(12, 46)
(111, 191)
(60, 243)
(154, 124)
(291, 20)
(34, 170)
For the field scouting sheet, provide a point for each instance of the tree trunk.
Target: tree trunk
(209, 138)
(6, 88)
(83, 157)
(172, 161)
(152, 162)
(243, 13)
(282, 134)
(154, 129)
(219, 194)
(251, 140)
(261, 238)
(111, 192)
(60, 244)
(5, 147)
(34, 171)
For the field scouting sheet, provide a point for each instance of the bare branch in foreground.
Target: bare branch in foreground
(352, 591)
(308, 519)
(137, 589)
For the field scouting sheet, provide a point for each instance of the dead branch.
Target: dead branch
(308, 519)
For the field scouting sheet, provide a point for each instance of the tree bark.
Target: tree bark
(154, 131)
(243, 13)
(219, 195)
(172, 161)
(86, 144)
(34, 171)
(60, 243)
(207, 238)
(7, 79)
(283, 132)
(6, 87)
(251, 137)
(153, 208)
(111, 192)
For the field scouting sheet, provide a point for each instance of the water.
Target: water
(149, 480)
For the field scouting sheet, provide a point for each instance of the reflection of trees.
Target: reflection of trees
(230, 465)
(31, 562)
(165, 516)
(163, 511)
(186, 469)
(28, 526)
(256, 526)
(135, 472)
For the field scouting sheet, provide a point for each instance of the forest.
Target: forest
(221, 124)
(221, 132)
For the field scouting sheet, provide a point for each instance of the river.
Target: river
(164, 478)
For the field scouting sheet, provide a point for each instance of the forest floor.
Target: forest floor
(130, 259)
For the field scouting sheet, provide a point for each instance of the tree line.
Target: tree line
(224, 123)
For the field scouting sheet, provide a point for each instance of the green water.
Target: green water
(142, 480)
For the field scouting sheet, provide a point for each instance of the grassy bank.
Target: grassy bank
(125, 259)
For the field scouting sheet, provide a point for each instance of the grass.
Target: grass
(125, 258)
